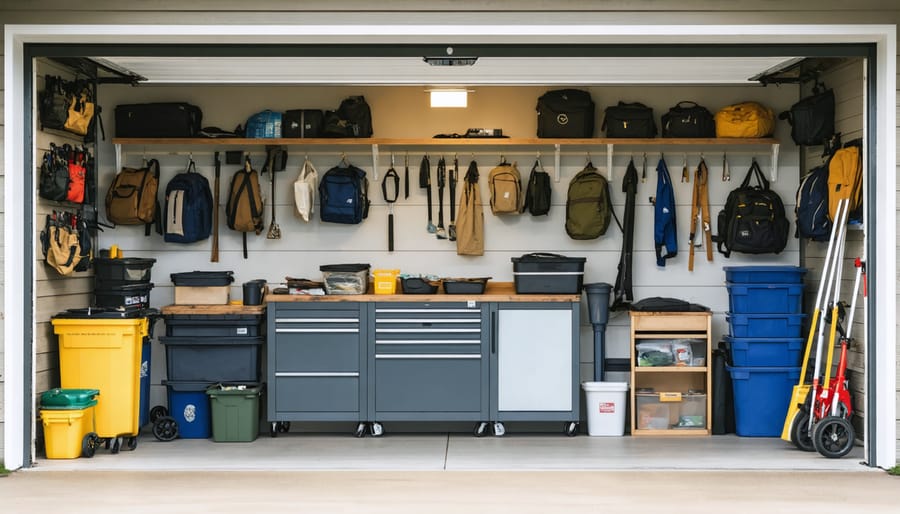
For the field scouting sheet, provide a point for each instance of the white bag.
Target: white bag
(305, 190)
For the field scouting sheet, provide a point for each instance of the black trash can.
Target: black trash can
(598, 311)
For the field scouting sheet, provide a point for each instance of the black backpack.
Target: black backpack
(344, 195)
(189, 205)
(812, 205)
(538, 192)
(753, 219)
(352, 119)
(54, 180)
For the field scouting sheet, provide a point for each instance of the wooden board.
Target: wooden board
(494, 292)
(214, 309)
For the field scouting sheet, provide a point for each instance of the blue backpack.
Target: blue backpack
(189, 204)
(343, 195)
(812, 205)
(664, 234)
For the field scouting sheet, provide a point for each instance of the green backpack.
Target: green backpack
(588, 208)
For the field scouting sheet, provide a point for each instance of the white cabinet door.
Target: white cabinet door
(534, 355)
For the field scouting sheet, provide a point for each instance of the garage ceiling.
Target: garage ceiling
(415, 71)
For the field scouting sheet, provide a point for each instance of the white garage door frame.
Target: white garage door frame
(18, 288)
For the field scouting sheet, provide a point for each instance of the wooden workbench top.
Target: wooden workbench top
(494, 292)
(214, 309)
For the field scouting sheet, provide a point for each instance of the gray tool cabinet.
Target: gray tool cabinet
(484, 358)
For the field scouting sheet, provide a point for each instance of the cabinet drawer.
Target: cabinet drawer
(428, 347)
(428, 383)
(322, 351)
(670, 322)
(327, 393)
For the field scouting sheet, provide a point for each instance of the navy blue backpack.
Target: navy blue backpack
(664, 233)
(189, 205)
(812, 205)
(343, 195)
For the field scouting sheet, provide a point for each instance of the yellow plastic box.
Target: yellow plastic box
(64, 431)
(385, 280)
(104, 354)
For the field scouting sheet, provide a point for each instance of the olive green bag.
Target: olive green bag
(588, 208)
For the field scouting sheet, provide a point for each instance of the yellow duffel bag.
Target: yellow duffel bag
(747, 119)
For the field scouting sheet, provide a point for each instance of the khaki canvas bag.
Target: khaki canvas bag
(470, 218)
(131, 198)
(305, 188)
(63, 249)
(505, 184)
(244, 209)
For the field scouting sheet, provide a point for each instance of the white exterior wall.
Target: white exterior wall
(617, 12)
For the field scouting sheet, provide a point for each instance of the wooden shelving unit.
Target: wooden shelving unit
(662, 380)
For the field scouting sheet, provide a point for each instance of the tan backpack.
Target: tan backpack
(505, 184)
(131, 198)
(470, 218)
(244, 209)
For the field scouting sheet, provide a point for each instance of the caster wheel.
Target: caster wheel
(89, 445)
(571, 429)
(360, 430)
(833, 437)
(273, 429)
(283, 427)
(117, 443)
(131, 443)
(376, 429)
(165, 429)
(480, 429)
(106, 443)
(800, 435)
(158, 412)
(499, 429)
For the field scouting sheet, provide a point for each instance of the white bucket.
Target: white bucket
(605, 407)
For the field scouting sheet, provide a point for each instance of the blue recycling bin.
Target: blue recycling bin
(144, 408)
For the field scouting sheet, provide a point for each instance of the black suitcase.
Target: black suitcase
(565, 113)
(175, 119)
(303, 123)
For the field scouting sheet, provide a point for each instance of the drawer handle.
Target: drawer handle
(317, 330)
(427, 330)
(429, 320)
(429, 341)
(316, 320)
(429, 311)
(314, 374)
(428, 356)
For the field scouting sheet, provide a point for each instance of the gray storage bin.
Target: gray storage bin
(213, 359)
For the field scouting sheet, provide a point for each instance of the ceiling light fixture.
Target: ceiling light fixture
(449, 97)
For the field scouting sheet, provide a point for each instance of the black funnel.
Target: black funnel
(598, 311)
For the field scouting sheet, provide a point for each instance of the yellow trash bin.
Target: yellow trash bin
(104, 354)
(67, 416)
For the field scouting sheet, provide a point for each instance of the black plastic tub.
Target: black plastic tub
(128, 296)
(465, 285)
(203, 278)
(213, 359)
(418, 285)
(548, 273)
(118, 272)
(214, 325)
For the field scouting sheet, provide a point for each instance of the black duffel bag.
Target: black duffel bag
(565, 113)
(688, 119)
(302, 123)
(812, 118)
(175, 119)
(629, 120)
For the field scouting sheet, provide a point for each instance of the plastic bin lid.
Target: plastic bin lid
(124, 261)
(605, 386)
(106, 313)
(546, 257)
(69, 398)
(347, 268)
(235, 389)
(786, 269)
(189, 278)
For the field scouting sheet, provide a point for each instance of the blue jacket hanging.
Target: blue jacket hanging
(664, 234)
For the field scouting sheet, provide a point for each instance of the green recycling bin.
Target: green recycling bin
(235, 412)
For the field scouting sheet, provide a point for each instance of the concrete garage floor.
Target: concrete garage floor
(437, 473)
(459, 452)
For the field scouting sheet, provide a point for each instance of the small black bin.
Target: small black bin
(118, 272)
(203, 278)
(548, 273)
(214, 325)
(128, 296)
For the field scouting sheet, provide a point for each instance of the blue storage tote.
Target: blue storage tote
(761, 399)
(764, 274)
(765, 298)
(765, 325)
(765, 351)
(189, 407)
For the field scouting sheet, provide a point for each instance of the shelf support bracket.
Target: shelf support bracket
(118, 157)
(775, 148)
(375, 162)
(556, 160)
(609, 161)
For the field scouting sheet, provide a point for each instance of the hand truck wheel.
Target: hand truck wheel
(158, 412)
(165, 429)
(834, 437)
(800, 435)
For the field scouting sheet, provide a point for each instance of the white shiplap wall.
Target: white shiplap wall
(402, 112)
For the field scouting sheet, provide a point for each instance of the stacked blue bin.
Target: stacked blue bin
(765, 321)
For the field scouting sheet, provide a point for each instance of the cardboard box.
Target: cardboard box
(207, 295)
